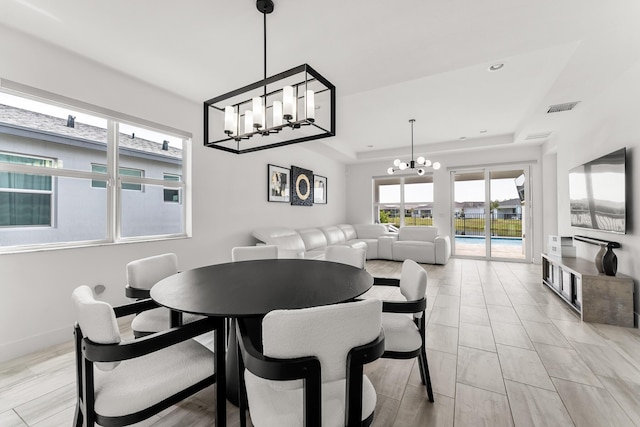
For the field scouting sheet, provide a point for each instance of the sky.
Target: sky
(465, 191)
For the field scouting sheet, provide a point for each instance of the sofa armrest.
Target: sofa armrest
(443, 249)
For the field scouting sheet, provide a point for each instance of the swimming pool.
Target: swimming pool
(505, 241)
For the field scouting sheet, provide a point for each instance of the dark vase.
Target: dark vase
(599, 257)
(610, 262)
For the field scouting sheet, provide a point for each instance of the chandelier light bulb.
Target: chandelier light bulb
(436, 165)
(257, 112)
(248, 121)
(311, 105)
(396, 163)
(287, 102)
(420, 171)
(427, 163)
(390, 171)
(230, 120)
(277, 113)
(403, 166)
(420, 160)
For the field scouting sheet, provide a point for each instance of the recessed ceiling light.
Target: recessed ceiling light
(496, 67)
(369, 146)
(463, 137)
(483, 131)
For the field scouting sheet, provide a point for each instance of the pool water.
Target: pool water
(494, 241)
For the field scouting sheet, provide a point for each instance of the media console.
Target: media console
(598, 298)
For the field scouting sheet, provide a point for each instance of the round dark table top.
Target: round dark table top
(254, 288)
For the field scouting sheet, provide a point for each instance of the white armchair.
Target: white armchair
(421, 244)
(310, 372)
(124, 382)
(405, 335)
(142, 274)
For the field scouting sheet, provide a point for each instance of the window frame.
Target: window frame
(401, 208)
(113, 178)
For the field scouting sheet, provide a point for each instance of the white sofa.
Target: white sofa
(421, 244)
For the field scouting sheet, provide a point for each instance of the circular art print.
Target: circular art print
(301, 180)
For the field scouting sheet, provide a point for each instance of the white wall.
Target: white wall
(229, 194)
(360, 191)
(610, 121)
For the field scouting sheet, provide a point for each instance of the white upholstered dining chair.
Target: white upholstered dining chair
(404, 321)
(124, 382)
(142, 274)
(356, 257)
(310, 370)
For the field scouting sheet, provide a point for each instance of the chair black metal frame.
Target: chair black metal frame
(88, 352)
(409, 307)
(309, 370)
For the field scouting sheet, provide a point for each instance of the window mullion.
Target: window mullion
(402, 209)
(113, 190)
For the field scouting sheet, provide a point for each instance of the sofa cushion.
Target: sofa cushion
(418, 233)
(422, 252)
(370, 231)
(334, 235)
(349, 231)
(313, 238)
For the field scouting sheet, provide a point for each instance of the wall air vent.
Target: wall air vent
(562, 107)
(539, 135)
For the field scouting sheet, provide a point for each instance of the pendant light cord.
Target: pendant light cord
(264, 15)
(412, 120)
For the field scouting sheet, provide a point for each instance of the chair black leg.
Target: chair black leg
(426, 378)
(242, 396)
(77, 419)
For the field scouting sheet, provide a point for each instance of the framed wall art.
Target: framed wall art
(278, 184)
(319, 189)
(301, 186)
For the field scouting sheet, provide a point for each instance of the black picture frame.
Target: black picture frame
(301, 186)
(320, 189)
(278, 184)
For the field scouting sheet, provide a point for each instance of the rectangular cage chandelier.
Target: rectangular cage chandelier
(294, 106)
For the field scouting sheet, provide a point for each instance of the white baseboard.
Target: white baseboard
(32, 344)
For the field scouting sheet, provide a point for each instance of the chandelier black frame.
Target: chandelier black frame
(301, 84)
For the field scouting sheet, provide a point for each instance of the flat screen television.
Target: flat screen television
(597, 193)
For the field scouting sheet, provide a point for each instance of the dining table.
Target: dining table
(249, 290)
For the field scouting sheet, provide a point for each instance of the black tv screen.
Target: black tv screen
(597, 193)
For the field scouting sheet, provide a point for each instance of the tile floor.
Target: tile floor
(502, 350)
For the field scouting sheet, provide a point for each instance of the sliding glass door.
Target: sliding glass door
(489, 213)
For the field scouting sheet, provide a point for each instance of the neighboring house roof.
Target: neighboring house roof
(55, 125)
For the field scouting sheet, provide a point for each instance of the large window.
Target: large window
(404, 200)
(74, 173)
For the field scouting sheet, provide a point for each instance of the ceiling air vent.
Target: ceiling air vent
(540, 135)
(562, 107)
